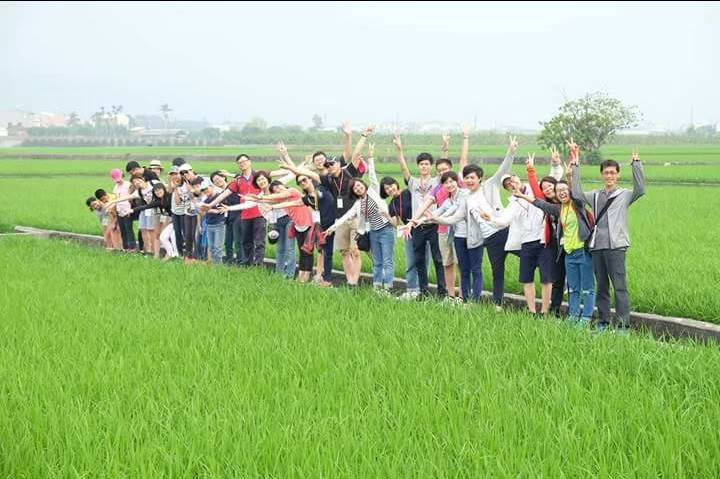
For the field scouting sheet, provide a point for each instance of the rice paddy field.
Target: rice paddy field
(672, 266)
(110, 369)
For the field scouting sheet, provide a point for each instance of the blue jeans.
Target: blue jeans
(581, 284)
(470, 261)
(382, 247)
(284, 250)
(215, 241)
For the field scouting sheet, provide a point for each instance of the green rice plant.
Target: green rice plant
(123, 366)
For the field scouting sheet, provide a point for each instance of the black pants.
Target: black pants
(328, 257)
(253, 241)
(495, 246)
(125, 223)
(558, 287)
(423, 235)
(306, 260)
(178, 221)
(188, 231)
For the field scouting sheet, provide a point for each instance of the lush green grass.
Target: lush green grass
(651, 154)
(123, 366)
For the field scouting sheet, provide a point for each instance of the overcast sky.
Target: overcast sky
(506, 64)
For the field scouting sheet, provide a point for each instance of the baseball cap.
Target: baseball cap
(116, 174)
(174, 170)
(131, 165)
(205, 184)
(185, 167)
(330, 161)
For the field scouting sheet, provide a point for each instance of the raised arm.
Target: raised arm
(638, 177)
(576, 189)
(347, 138)
(556, 167)
(465, 149)
(374, 183)
(401, 157)
(532, 176)
(361, 144)
(507, 162)
(445, 147)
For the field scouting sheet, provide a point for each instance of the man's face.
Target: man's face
(96, 205)
(472, 181)
(441, 168)
(319, 162)
(548, 190)
(244, 164)
(610, 176)
(333, 168)
(424, 166)
(135, 172)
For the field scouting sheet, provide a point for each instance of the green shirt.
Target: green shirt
(569, 221)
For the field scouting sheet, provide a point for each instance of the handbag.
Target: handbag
(363, 241)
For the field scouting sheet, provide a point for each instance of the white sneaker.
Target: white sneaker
(409, 296)
(498, 308)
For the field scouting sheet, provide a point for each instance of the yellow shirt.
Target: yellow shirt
(569, 221)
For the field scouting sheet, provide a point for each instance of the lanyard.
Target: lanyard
(339, 185)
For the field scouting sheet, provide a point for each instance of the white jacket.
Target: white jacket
(527, 223)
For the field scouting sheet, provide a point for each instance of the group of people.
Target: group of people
(576, 239)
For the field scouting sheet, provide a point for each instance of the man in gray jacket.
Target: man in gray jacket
(610, 238)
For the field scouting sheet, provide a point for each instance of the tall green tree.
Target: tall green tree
(591, 121)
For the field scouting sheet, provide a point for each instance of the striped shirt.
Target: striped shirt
(370, 210)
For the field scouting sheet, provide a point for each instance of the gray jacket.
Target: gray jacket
(616, 217)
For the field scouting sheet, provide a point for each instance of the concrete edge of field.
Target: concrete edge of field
(660, 326)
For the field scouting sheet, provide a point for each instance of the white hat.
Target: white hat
(205, 184)
(185, 167)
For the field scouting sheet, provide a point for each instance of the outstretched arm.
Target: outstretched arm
(401, 157)
(417, 216)
(303, 171)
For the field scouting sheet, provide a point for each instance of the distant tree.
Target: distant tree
(73, 119)
(165, 110)
(254, 126)
(317, 121)
(591, 121)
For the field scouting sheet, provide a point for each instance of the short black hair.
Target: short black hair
(447, 175)
(609, 164)
(196, 181)
(275, 183)
(178, 161)
(444, 160)
(131, 165)
(477, 169)
(562, 182)
(99, 193)
(216, 173)
(318, 153)
(258, 174)
(89, 201)
(387, 181)
(424, 157)
(237, 158)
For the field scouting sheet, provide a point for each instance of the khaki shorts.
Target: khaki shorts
(345, 236)
(447, 250)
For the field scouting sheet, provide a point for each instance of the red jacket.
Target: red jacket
(241, 186)
(537, 192)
